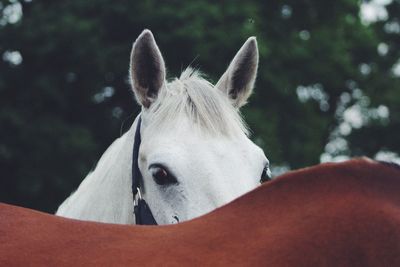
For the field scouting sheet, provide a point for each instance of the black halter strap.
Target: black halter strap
(143, 215)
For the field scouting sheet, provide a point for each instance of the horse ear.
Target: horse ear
(147, 69)
(238, 80)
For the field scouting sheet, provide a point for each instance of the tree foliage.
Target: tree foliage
(326, 83)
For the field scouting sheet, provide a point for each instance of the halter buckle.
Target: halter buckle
(137, 197)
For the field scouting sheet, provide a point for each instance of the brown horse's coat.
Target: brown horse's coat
(345, 214)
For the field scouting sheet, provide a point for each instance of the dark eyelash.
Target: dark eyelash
(160, 165)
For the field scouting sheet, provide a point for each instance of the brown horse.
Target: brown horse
(343, 214)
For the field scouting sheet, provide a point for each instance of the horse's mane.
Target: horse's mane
(191, 95)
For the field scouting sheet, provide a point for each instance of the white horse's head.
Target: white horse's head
(195, 153)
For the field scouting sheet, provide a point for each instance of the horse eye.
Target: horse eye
(266, 175)
(162, 176)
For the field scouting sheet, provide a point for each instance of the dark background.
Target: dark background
(328, 86)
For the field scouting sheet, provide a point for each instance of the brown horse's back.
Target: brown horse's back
(345, 214)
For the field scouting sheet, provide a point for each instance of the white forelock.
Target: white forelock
(193, 97)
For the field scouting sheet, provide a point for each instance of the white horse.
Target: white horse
(195, 153)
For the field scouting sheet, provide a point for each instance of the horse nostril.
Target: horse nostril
(176, 218)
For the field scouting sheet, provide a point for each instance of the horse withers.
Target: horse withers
(194, 153)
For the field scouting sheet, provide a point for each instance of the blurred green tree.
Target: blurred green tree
(328, 85)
